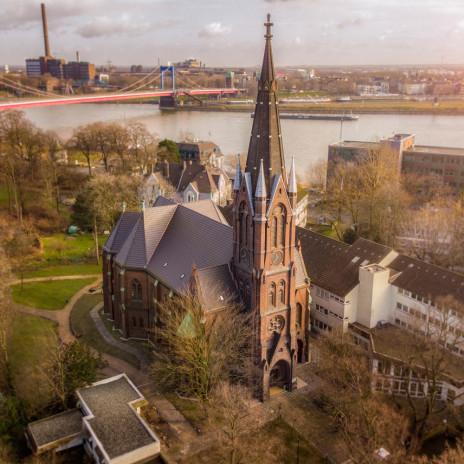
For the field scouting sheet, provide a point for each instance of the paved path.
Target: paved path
(43, 279)
(61, 316)
(144, 361)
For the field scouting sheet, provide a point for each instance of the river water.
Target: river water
(306, 140)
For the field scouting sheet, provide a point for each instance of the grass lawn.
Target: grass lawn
(64, 270)
(140, 345)
(85, 329)
(71, 248)
(31, 338)
(48, 294)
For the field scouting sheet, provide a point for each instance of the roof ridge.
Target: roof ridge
(204, 215)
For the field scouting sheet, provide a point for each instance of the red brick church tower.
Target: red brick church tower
(267, 263)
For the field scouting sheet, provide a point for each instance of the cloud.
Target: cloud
(354, 21)
(101, 26)
(215, 30)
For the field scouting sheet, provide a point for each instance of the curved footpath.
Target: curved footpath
(62, 317)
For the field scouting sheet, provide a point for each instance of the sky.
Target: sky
(230, 32)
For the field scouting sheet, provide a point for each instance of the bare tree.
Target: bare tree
(20, 250)
(101, 134)
(83, 141)
(143, 146)
(366, 421)
(315, 175)
(119, 140)
(196, 351)
(232, 403)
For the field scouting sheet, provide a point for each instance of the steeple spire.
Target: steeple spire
(261, 184)
(266, 136)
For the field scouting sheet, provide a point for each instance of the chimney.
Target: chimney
(45, 29)
(185, 165)
(78, 58)
(167, 171)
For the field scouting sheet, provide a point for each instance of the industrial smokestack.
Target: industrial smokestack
(45, 29)
(78, 57)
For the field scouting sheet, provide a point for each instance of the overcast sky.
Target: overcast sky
(230, 32)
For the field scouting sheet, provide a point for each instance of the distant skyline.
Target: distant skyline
(230, 33)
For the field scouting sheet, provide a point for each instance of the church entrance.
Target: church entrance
(300, 351)
(279, 380)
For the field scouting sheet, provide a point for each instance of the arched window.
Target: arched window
(241, 290)
(272, 291)
(282, 292)
(278, 227)
(299, 314)
(136, 291)
(248, 294)
(244, 222)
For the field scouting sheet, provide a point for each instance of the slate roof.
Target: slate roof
(116, 425)
(426, 279)
(174, 170)
(334, 265)
(217, 287)
(199, 147)
(118, 235)
(190, 238)
(168, 239)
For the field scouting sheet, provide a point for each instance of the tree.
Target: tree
(101, 134)
(142, 145)
(83, 141)
(196, 351)
(232, 403)
(69, 367)
(168, 151)
(20, 250)
(427, 357)
(100, 202)
(119, 140)
(365, 420)
(7, 315)
(315, 175)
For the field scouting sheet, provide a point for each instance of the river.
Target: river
(306, 140)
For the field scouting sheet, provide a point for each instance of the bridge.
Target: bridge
(167, 97)
(112, 97)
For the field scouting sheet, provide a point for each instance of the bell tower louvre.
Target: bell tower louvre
(267, 262)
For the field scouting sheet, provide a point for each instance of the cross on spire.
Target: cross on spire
(268, 25)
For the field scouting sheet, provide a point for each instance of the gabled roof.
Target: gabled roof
(217, 287)
(190, 238)
(208, 208)
(121, 230)
(426, 279)
(145, 236)
(334, 265)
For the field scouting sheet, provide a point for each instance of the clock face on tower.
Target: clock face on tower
(276, 258)
(244, 255)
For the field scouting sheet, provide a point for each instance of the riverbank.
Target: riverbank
(404, 107)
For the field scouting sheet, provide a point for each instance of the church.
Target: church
(171, 249)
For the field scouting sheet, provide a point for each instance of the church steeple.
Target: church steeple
(266, 136)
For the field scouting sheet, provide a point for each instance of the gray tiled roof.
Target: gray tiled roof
(426, 279)
(190, 238)
(207, 208)
(163, 201)
(217, 287)
(115, 424)
(118, 235)
(334, 265)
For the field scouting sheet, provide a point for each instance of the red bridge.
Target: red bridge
(111, 97)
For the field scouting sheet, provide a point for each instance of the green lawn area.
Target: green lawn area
(64, 270)
(48, 294)
(85, 329)
(31, 338)
(71, 248)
